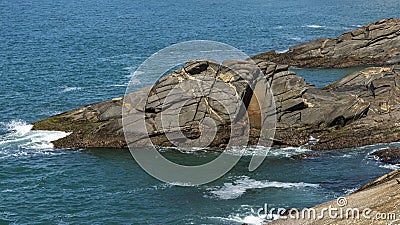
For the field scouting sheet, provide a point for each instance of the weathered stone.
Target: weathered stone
(377, 43)
(389, 155)
(360, 109)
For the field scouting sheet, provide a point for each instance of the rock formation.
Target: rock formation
(375, 44)
(362, 108)
(388, 155)
(359, 109)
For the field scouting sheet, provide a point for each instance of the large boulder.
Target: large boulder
(377, 43)
(202, 104)
(388, 155)
(302, 109)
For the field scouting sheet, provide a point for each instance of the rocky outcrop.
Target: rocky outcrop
(379, 87)
(96, 125)
(205, 104)
(388, 155)
(380, 199)
(202, 104)
(362, 108)
(376, 44)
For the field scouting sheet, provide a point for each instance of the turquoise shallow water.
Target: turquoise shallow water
(59, 55)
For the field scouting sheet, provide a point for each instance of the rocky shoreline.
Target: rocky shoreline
(360, 109)
(374, 44)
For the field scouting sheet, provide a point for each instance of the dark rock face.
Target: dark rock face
(389, 155)
(377, 44)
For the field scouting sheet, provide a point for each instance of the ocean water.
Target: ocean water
(60, 55)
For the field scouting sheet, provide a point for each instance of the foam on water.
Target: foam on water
(350, 190)
(390, 166)
(288, 151)
(245, 151)
(120, 85)
(314, 26)
(20, 136)
(246, 214)
(250, 219)
(296, 38)
(136, 73)
(19, 127)
(338, 28)
(238, 187)
(69, 89)
(283, 51)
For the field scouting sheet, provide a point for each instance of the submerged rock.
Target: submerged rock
(388, 155)
(377, 44)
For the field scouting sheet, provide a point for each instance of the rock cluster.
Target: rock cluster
(207, 104)
(376, 44)
(388, 155)
(362, 108)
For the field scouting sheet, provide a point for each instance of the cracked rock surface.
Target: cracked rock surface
(205, 103)
(376, 44)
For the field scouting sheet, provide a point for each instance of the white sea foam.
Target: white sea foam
(120, 85)
(69, 89)
(315, 26)
(288, 151)
(137, 73)
(296, 38)
(351, 190)
(377, 148)
(247, 151)
(283, 51)
(246, 214)
(238, 187)
(21, 135)
(18, 127)
(250, 219)
(347, 155)
(121, 57)
(262, 151)
(129, 68)
(390, 166)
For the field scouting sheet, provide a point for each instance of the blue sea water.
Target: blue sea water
(59, 55)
